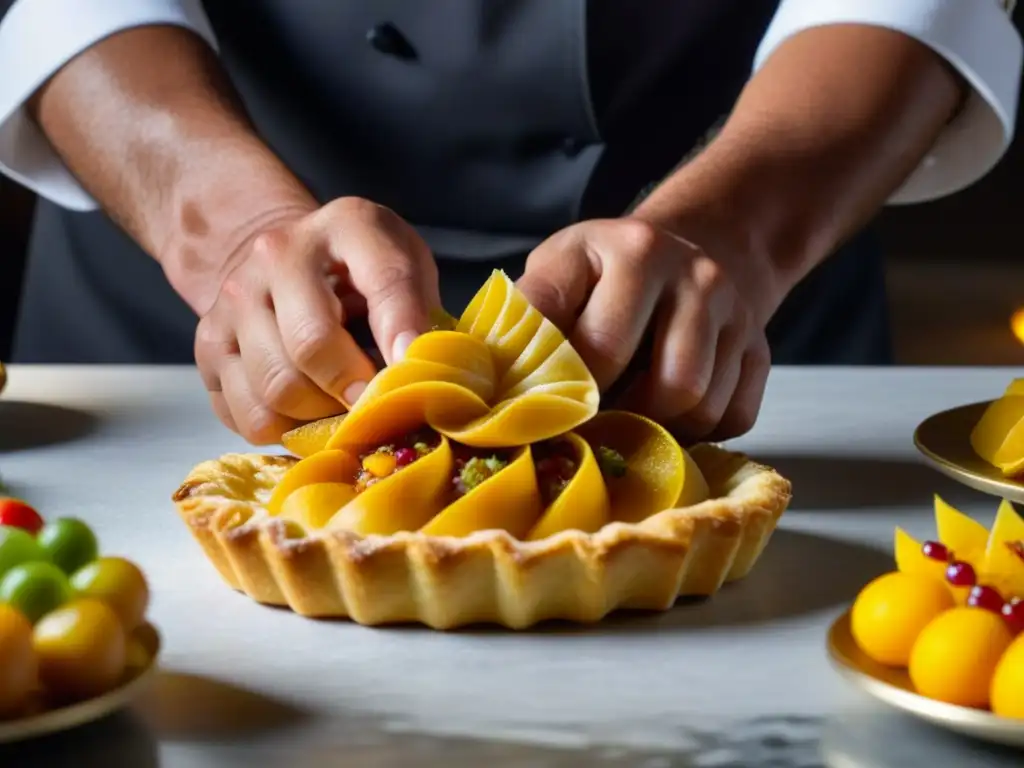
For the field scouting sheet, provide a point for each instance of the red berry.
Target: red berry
(936, 551)
(1013, 612)
(18, 514)
(987, 598)
(961, 574)
(404, 457)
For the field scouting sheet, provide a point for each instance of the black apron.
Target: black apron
(487, 124)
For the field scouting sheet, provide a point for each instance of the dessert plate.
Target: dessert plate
(945, 441)
(74, 715)
(893, 687)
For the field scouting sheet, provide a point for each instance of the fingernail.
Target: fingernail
(401, 345)
(353, 391)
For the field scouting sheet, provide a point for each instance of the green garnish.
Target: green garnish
(611, 462)
(422, 449)
(479, 469)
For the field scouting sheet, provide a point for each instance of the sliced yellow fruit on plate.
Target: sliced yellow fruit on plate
(910, 557)
(509, 500)
(524, 420)
(404, 501)
(321, 467)
(1015, 387)
(307, 439)
(584, 504)
(313, 505)
(1003, 564)
(998, 437)
(964, 536)
(659, 473)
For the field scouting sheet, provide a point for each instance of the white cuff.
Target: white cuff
(37, 38)
(976, 37)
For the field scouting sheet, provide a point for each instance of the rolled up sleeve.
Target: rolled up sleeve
(37, 38)
(976, 37)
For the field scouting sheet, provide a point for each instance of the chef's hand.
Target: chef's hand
(606, 283)
(273, 349)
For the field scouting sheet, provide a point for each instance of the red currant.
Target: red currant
(1013, 612)
(961, 574)
(987, 598)
(404, 457)
(936, 551)
(18, 514)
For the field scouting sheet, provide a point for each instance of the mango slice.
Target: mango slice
(584, 503)
(311, 506)
(321, 467)
(964, 536)
(404, 501)
(1003, 564)
(998, 437)
(910, 557)
(660, 474)
(307, 439)
(509, 500)
(1015, 387)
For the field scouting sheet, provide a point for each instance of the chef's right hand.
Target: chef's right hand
(273, 350)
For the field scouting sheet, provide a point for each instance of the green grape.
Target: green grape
(18, 546)
(35, 589)
(70, 543)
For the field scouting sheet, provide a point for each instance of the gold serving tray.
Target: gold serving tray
(893, 687)
(945, 441)
(74, 715)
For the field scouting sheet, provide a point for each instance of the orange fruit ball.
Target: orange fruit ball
(956, 656)
(1007, 692)
(18, 666)
(890, 612)
(81, 648)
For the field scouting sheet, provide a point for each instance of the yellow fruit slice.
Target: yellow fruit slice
(956, 655)
(1015, 387)
(910, 558)
(509, 500)
(309, 438)
(1003, 564)
(891, 612)
(660, 474)
(330, 466)
(18, 662)
(527, 419)
(405, 501)
(1007, 691)
(964, 536)
(998, 437)
(584, 504)
(311, 506)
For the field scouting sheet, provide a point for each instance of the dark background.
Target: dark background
(956, 267)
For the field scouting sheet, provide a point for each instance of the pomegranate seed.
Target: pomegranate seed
(936, 551)
(961, 574)
(1013, 612)
(987, 598)
(404, 457)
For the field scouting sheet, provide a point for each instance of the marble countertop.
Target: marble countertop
(741, 680)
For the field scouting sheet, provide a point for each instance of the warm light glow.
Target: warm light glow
(1017, 324)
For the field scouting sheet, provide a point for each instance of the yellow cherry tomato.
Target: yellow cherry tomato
(1007, 694)
(18, 666)
(117, 582)
(81, 648)
(891, 611)
(956, 655)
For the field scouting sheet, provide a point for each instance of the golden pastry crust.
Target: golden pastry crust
(489, 576)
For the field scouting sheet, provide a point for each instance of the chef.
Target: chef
(678, 184)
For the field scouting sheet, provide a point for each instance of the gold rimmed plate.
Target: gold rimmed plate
(64, 718)
(893, 687)
(945, 441)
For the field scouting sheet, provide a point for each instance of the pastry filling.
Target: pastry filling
(389, 458)
(611, 462)
(556, 462)
(472, 467)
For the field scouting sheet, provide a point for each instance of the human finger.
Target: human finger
(558, 277)
(741, 414)
(254, 420)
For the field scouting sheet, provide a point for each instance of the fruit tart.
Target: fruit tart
(476, 481)
(952, 614)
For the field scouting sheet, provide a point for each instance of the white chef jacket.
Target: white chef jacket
(977, 38)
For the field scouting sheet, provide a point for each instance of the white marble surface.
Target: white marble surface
(741, 680)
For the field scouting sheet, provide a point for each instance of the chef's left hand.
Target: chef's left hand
(607, 283)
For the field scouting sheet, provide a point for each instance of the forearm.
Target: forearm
(149, 124)
(826, 130)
